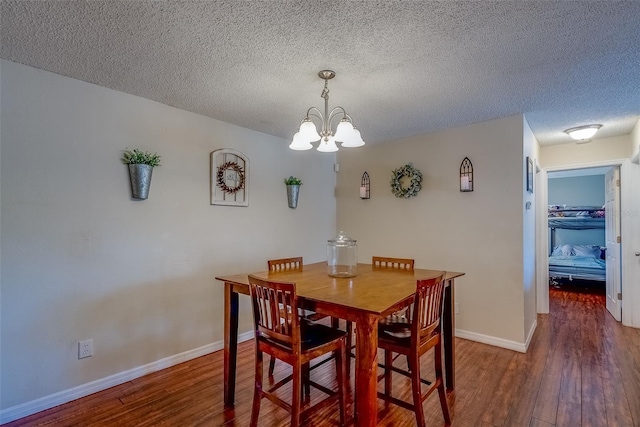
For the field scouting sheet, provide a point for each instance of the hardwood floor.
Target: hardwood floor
(582, 369)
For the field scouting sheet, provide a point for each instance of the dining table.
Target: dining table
(364, 299)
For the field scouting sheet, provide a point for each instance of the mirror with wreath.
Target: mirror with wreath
(229, 178)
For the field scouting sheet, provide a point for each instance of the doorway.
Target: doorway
(583, 223)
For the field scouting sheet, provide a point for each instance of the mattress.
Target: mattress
(577, 267)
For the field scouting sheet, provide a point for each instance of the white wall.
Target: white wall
(631, 241)
(530, 147)
(634, 139)
(555, 156)
(81, 259)
(479, 233)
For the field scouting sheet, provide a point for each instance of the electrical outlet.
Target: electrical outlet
(85, 349)
(457, 308)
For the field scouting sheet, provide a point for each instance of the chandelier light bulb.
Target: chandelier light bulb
(355, 140)
(327, 146)
(308, 130)
(299, 143)
(344, 131)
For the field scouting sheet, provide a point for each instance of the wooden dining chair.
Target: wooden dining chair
(379, 262)
(395, 263)
(413, 337)
(283, 264)
(288, 264)
(284, 335)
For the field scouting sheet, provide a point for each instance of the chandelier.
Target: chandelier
(345, 132)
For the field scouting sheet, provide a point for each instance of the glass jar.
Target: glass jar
(342, 256)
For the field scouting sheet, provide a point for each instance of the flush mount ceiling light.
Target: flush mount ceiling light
(583, 133)
(345, 132)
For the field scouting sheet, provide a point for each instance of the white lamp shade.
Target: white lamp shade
(328, 146)
(308, 131)
(300, 143)
(344, 130)
(354, 140)
(583, 132)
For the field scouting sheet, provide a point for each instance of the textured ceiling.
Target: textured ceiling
(403, 67)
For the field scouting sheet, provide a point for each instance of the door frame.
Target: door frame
(629, 229)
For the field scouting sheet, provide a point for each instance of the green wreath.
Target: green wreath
(396, 181)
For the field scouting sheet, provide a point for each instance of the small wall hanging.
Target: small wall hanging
(293, 190)
(141, 164)
(229, 178)
(466, 175)
(365, 186)
(406, 181)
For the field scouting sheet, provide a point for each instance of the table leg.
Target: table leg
(230, 343)
(366, 410)
(448, 332)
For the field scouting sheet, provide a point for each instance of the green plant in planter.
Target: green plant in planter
(136, 157)
(140, 164)
(292, 180)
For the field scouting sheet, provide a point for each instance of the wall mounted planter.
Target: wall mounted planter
(140, 176)
(292, 195)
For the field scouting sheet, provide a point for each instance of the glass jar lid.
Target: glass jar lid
(342, 239)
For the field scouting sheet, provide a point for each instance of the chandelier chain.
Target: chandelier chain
(325, 91)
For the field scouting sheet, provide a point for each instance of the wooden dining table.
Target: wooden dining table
(364, 299)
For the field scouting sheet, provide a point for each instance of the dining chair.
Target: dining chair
(294, 263)
(395, 263)
(283, 264)
(413, 336)
(379, 262)
(284, 335)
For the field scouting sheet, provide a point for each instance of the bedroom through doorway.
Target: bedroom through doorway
(583, 234)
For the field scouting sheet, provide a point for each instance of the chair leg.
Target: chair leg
(257, 390)
(388, 361)
(335, 322)
(441, 391)
(296, 400)
(306, 372)
(341, 358)
(349, 329)
(272, 366)
(416, 388)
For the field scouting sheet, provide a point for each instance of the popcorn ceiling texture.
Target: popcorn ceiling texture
(403, 67)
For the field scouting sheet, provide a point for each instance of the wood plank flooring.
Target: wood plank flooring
(582, 369)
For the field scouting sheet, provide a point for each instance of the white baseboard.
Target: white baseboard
(25, 409)
(530, 335)
(498, 342)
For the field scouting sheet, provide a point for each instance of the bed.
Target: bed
(583, 262)
(572, 261)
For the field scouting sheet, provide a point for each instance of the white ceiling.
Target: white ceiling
(403, 67)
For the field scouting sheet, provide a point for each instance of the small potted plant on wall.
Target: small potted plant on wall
(141, 164)
(293, 189)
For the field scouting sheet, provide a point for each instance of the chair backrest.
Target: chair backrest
(395, 263)
(285, 264)
(275, 308)
(427, 306)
